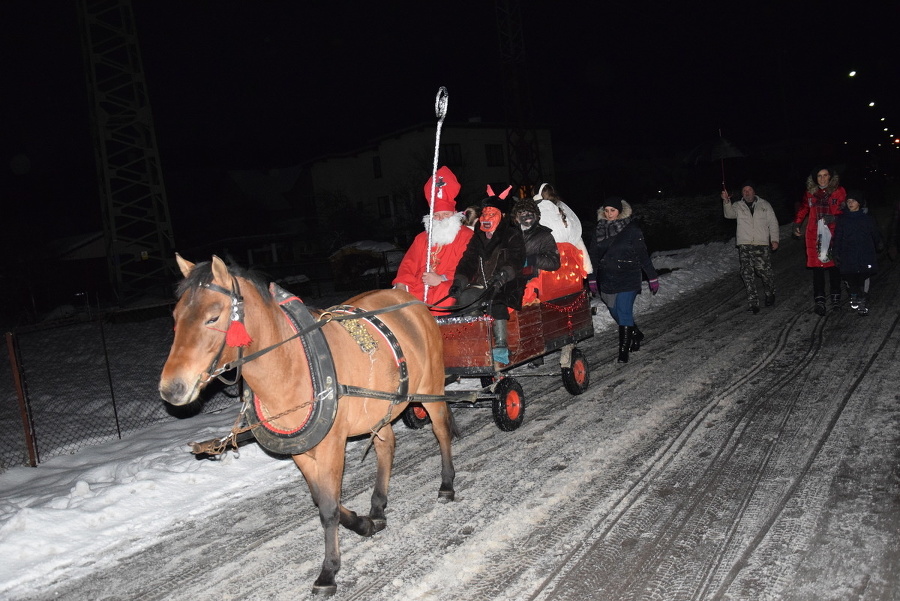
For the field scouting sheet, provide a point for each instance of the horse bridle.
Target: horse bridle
(236, 312)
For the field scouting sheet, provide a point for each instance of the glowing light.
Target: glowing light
(852, 73)
(871, 104)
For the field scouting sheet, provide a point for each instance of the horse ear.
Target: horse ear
(220, 272)
(184, 266)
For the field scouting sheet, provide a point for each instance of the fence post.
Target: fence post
(109, 377)
(23, 404)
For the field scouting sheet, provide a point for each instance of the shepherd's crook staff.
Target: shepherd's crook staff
(440, 111)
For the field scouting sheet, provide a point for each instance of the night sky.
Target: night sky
(242, 84)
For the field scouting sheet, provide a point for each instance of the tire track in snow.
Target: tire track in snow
(666, 543)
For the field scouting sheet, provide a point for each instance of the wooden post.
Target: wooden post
(23, 405)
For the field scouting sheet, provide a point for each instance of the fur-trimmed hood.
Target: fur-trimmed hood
(812, 186)
(625, 213)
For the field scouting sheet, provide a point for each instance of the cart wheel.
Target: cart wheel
(415, 417)
(509, 405)
(577, 377)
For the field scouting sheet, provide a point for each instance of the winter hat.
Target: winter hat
(749, 183)
(614, 202)
(496, 200)
(858, 196)
(445, 192)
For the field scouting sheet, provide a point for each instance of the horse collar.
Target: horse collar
(324, 382)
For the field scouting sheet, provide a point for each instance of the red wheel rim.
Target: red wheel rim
(579, 372)
(420, 412)
(513, 405)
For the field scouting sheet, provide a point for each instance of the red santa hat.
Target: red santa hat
(445, 191)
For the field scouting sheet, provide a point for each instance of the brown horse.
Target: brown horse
(399, 353)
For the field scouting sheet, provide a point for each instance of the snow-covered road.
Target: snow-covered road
(737, 456)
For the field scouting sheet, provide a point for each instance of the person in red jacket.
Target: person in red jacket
(821, 205)
(449, 240)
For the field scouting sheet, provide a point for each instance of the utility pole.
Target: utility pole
(137, 227)
(523, 155)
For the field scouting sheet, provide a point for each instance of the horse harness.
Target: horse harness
(326, 389)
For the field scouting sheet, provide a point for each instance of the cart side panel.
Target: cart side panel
(467, 345)
(526, 334)
(566, 320)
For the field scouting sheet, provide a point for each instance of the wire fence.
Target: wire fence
(79, 383)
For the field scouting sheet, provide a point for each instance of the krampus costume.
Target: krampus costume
(489, 269)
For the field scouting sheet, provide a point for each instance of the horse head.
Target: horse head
(208, 329)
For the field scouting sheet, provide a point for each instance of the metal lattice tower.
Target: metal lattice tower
(525, 171)
(137, 227)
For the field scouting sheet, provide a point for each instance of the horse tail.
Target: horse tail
(455, 432)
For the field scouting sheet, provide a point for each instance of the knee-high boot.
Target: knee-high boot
(500, 352)
(626, 336)
(636, 339)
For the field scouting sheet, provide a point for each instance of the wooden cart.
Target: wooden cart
(540, 328)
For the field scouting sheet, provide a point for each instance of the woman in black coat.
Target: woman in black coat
(619, 255)
(855, 248)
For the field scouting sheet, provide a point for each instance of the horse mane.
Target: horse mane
(201, 275)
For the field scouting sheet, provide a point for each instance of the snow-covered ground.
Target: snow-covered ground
(88, 513)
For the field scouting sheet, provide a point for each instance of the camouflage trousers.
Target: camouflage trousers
(756, 260)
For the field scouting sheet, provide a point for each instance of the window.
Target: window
(451, 155)
(384, 207)
(376, 167)
(494, 155)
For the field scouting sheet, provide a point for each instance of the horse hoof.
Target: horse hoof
(445, 496)
(324, 590)
(371, 526)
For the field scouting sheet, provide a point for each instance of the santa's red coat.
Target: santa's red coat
(443, 262)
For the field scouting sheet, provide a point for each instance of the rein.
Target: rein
(326, 388)
(324, 319)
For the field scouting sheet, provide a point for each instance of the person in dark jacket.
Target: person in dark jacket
(541, 252)
(857, 241)
(490, 268)
(619, 255)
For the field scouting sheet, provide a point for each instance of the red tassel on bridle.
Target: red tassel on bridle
(237, 335)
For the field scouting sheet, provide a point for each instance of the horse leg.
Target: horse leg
(444, 428)
(385, 444)
(323, 469)
(324, 487)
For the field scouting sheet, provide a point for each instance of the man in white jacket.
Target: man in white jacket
(757, 237)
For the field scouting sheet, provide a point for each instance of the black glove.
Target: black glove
(496, 282)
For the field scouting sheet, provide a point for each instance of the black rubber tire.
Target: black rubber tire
(509, 405)
(577, 378)
(415, 417)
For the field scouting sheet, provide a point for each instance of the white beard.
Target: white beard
(443, 231)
